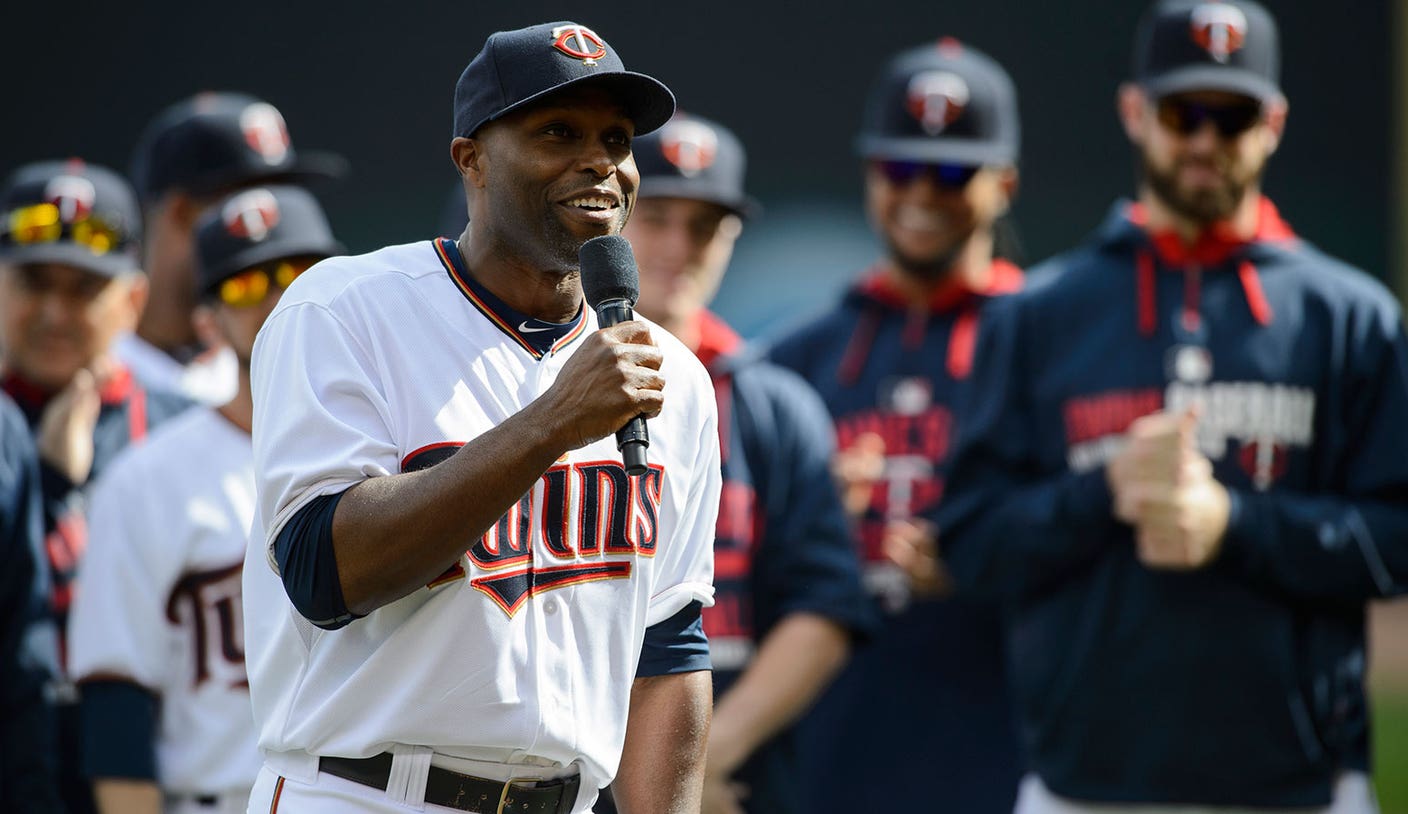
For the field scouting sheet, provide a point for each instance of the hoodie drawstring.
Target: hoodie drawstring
(1256, 297)
(1148, 314)
(1146, 285)
(961, 342)
(858, 349)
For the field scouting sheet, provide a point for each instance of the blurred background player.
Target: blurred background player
(157, 640)
(1184, 466)
(190, 156)
(28, 657)
(70, 282)
(926, 705)
(788, 596)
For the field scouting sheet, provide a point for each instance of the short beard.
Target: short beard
(1204, 207)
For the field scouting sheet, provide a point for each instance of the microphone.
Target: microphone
(612, 284)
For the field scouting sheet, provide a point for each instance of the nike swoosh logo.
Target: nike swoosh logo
(523, 328)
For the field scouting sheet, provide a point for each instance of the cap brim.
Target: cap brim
(746, 206)
(264, 252)
(1211, 77)
(937, 150)
(67, 253)
(650, 103)
(307, 168)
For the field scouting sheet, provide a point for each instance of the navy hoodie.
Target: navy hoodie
(1241, 683)
(923, 709)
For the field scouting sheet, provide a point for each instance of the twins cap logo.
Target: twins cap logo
(936, 99)
(265, 132)
(690, 146)
(251, 215)
(1219, 29)
(579, 42)
(73, 195)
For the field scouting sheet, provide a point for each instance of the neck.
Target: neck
(240, 409)
(685, 330)
(971, 268)
(1242, 224)
(547, 295)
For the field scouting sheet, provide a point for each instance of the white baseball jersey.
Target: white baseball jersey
(212, 378)
(388, 362)
(159, 599)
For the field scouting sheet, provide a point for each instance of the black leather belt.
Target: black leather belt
(465, 792)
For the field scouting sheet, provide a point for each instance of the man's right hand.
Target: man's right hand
(66, 428)
(1157, 450)
(613, 377)
(857, 469)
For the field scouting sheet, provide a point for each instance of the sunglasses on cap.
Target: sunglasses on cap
(1185, 117)
(42, 223)
(249, 287)
(947, 176)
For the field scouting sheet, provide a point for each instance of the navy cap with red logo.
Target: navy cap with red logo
(73, 213)
(257, 225)
(942, 103)
(214, 142)
(696, 158)
(517, 68)
(1193, 45)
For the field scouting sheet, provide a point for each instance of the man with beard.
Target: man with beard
(156, 634)
(1183, 466)
(456, 596)
(925, 705)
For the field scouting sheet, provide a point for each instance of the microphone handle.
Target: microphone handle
(633, 438)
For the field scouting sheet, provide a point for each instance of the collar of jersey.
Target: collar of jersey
(542, 338)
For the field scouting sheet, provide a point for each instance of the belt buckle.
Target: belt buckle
(504, 799)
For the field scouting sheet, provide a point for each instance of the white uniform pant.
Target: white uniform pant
(326, 794)
(1354, 794)
(228, 803)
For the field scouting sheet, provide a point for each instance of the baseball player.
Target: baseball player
(70, 282)
(188, 158)
(453, 579)
(1184, 466)
(788, 596)
(28, 659)
(156, 635)
(925, 705)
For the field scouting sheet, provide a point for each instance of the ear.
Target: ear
(468, 156)
(206, 324)
(138, 290)
(1132, 104)
(182, 208)
(1276, 112)
(1010, 180)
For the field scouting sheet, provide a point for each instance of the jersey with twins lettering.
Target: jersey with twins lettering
(887, 367)
(387, 363)
(160, 604)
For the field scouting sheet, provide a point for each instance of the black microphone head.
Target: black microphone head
(609, 270)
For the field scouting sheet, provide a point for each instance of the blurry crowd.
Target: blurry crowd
(1097, 536)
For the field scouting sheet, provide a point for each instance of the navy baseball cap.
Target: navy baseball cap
(213, 142)
(257, 225)
(942, 103)
(1192, 45)
(517, 68)
(73, 213)
(693, 157)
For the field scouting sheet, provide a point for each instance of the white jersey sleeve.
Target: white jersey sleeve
(685, 572)
(329, 426)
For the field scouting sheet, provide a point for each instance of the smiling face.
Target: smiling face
(682, 247)
(925, 222)
(57, 318)
(551, 176)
